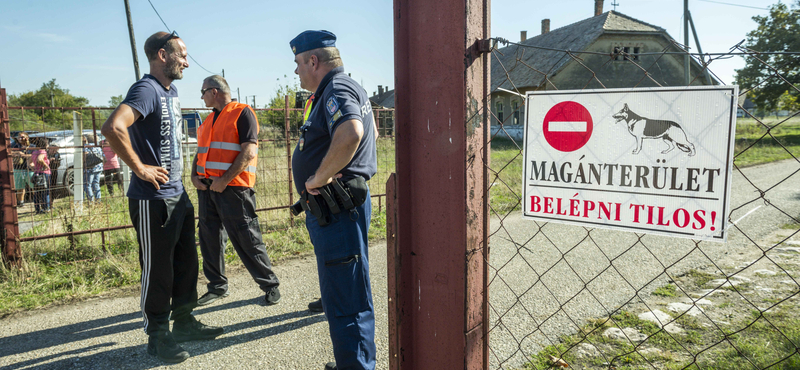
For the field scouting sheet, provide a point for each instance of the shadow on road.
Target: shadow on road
(135, 357)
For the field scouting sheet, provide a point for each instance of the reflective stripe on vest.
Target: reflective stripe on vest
(224, 166)
(218, 146)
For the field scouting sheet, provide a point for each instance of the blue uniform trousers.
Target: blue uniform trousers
(343, 267)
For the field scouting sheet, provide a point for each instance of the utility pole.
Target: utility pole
(223, 73)
(238, 96)
(133, 39)
(686, 58)
(52, 98)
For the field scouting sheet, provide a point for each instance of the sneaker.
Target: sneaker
(163, 346)
(315, 306)
(330, 366)
(210, 297)
(273, 296)
(192, 329)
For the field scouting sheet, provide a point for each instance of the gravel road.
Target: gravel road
(106, 333)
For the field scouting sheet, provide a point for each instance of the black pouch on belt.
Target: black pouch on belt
(356, 189)
(310, 204)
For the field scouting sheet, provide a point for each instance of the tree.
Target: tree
(116, 100)
(275, 117)
(49, 95)
(776, 32)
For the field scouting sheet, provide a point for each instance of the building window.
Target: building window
(626, 53)
(515, 108)
(499, 106)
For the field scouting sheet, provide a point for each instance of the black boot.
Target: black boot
(191, 329)
(315, 306)
(163, 346)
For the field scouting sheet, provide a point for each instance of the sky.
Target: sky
(85, 46)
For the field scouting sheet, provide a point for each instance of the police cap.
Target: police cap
(310, 40)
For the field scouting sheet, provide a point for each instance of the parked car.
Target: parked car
(65, 178)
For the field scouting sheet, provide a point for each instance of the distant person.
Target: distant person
(21, 155)
(55, 162)
(93, 168)
(41, 176)
(111, 174)
(144, 133)
(224, 173)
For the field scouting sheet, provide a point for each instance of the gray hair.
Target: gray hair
(328, 56)
(218, 82)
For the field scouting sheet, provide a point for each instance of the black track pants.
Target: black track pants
(168, 257)
(235, 210)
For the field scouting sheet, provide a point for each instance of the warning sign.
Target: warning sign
(655, 160)
(567, 126)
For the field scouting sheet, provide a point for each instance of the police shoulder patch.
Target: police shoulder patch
(332, 105)
(334, 118)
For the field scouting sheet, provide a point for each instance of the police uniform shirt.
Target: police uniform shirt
(339, 98)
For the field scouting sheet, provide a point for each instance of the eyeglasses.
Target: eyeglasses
(173, 35)
(203, 91)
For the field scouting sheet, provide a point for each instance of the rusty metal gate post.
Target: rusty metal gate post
(441, 91)
(286, 122)
(10, 233)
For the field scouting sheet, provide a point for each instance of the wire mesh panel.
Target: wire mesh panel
(584, 297)
(63, 221)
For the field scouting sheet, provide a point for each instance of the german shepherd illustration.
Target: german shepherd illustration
(644, 128)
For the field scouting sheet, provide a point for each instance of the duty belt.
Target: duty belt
(332, 199)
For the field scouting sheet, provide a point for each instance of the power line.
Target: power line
(743, 6)
(169, 29)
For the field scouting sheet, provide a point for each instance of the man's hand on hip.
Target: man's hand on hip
(313, 183)
(198, 183)
(153, 174)
(218, 185)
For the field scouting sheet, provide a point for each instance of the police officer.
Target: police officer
(224, 173)
(338, 142)
(144, 132)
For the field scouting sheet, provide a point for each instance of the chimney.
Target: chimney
(523, 35)
(380, 89)
(598, 7)
(545, 26)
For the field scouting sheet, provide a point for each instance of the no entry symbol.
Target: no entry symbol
(567, 126)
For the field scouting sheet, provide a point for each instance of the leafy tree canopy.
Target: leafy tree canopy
(275, 118)
(115, 101)
(777, 32)
(50, 94)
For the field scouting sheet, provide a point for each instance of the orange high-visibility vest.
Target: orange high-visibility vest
(218, 146)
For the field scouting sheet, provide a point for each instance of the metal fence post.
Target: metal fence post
(11, 251)
(441, 91)
(286, 122)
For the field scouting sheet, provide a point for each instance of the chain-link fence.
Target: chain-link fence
(59, 223)
(592, 298)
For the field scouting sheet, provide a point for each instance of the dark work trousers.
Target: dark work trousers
(343, 268)
(168, 257)
(234, 211)
(110, 177)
